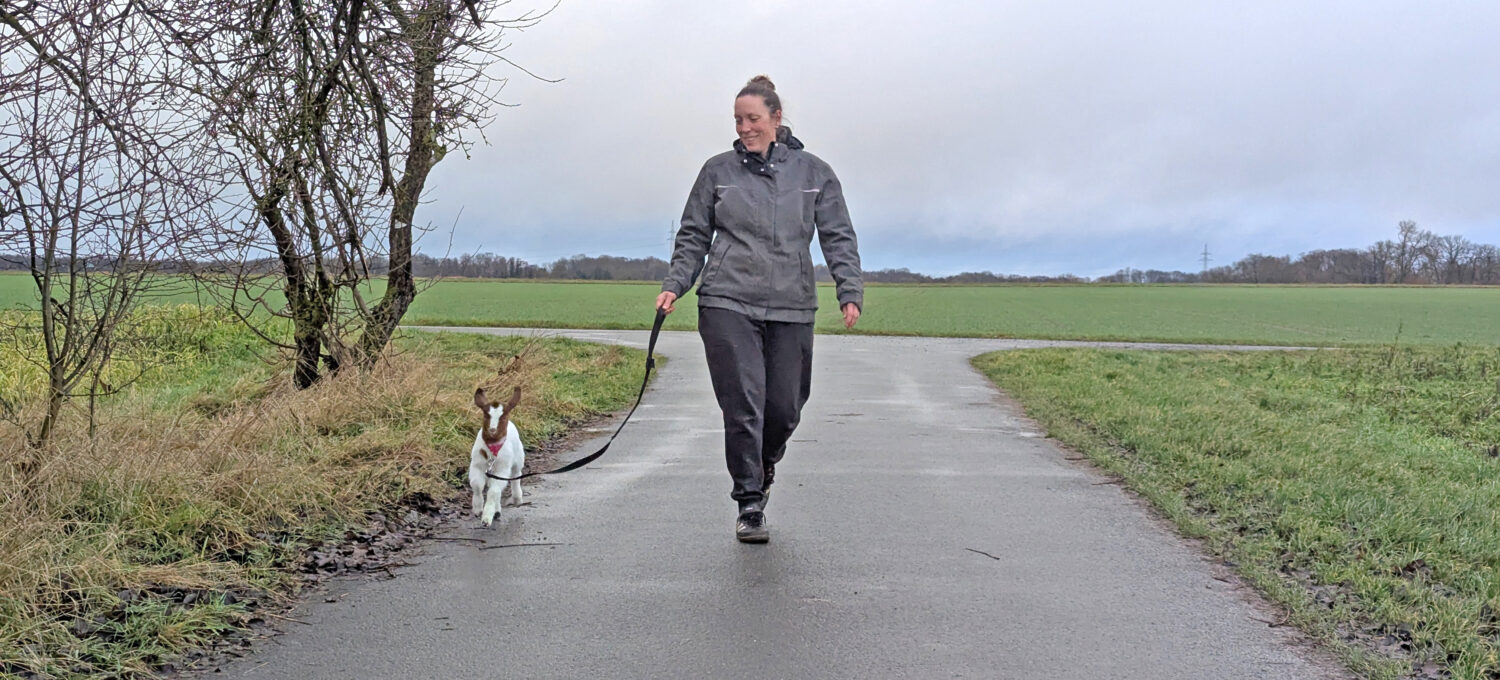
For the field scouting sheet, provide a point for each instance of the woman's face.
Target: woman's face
(755, 123)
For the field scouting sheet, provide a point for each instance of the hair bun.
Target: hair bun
(762, 80)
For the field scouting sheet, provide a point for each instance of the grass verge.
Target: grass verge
(208, 478)
(1360, 489)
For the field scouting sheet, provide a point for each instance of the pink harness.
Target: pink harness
(495, 447)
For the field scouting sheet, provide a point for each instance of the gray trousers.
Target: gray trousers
(762, 375)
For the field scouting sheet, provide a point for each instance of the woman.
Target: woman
(752, 213)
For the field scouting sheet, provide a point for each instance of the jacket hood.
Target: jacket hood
(784, 137)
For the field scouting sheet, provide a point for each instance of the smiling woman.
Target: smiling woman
(747, 228)
(757, 115)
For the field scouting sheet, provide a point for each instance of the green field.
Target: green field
(1360, 489)
(1246, 314)
(1280, 315)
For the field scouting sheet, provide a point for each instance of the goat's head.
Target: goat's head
(496, 416)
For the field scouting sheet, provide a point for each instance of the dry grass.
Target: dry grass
(214, 487)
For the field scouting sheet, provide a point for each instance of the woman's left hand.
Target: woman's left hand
(851, 314)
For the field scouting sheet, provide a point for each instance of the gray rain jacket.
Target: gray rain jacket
(753, 218)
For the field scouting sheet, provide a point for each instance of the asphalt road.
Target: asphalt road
(921, 527)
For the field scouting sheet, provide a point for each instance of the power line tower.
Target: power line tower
(1205, 258)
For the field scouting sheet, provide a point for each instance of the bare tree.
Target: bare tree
(334, 114)
(1330, 266)
(1484, 264)
(1450, 255)
(90, 190)
(1382, 258)
(1409, 248)
(1258, 268)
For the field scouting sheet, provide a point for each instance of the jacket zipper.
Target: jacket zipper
(771, 164)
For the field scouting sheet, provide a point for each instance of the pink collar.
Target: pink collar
(495, 447)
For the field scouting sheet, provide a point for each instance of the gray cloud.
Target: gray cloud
(1016, 137)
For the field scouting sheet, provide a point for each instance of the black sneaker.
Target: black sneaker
(751, 528)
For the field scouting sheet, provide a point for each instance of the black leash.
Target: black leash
(650, 364)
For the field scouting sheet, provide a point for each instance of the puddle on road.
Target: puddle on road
(1028, 434)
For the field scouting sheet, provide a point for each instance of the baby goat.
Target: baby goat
(497, 450)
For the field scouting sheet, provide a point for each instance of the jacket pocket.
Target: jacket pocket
(808, 284)
(810, 204)
(793, 286)
(716, 254)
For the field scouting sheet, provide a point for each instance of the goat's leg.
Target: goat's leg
(515, 490)
(476, 485)
(492, 503)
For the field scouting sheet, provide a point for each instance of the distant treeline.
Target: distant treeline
(577, 267)
(1416, 256)
(477, 265)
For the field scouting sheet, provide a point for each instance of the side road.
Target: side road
(921, 527)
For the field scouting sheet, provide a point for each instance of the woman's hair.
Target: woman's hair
(761, 86)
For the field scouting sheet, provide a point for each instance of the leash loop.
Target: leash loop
(650, 365)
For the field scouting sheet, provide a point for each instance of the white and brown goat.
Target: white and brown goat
(498, 451)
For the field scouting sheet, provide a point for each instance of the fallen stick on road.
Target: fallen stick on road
(286, 618)
(518, 545)
(982, 553)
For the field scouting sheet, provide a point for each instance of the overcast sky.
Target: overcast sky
(1017, 137)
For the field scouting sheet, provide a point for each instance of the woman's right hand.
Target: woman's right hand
(665, 300)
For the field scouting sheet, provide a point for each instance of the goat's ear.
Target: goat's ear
(515, 398)
(479, 399)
